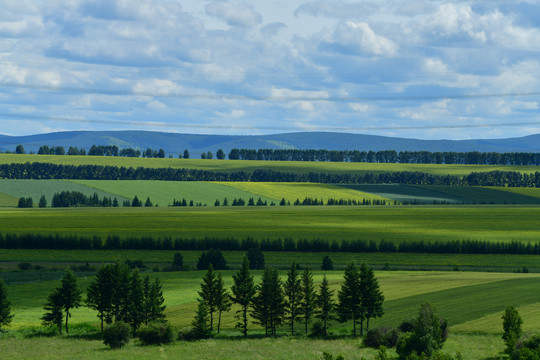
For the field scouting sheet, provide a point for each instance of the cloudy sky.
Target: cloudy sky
(426, 69)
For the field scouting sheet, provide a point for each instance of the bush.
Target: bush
(156, 333)
(116, 335)
(317, 329)
(375, 338)
(25, 266)
(406, 326)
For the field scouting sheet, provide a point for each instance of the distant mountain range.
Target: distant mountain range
(174, 143)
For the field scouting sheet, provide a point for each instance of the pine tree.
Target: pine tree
(372, 297)
(325, 303)
(120, 276)
(293, 292)
(200, 327)
(223, 301)
(349, 296)
(208, 293)
(243, 291)
(99, 294)
(155, 302)
(135, 303)
(269, 303)
(5, 306)
(308, 301)
(70, 293)
(53, 307)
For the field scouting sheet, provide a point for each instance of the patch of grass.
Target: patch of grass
(35, 188)
(7, 199)
(486, 195)
(163, 192)
(370, 223)
(293, 191)
(409, 193)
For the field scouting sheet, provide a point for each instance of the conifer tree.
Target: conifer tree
(53, 307)
(269, 303)
(135, 303)
(293, 294)
(208, 293)
(99, 294)
(372, 297)
(325, 303)
(223, 301)
(349, 296)
(243, 291)
(154, 302)
(308, 297)
(200, 325)
(120, 276)
(5, 306)
(70, 295)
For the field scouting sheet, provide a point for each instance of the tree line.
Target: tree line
(114, 242)
(39, 171)
(388, 156)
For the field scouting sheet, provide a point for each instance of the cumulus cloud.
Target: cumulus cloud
(233, 14)
(338, 9)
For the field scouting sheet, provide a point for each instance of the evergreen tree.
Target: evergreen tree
(293, 294)
(70, 294)
(53, 307)
(208, 293)
(327, 263)
(223, 300)
(135, 308)
(220, 154)
(120, 275)
(325, 303)
(256, 258)
(156, 301)
(372, 297)
(178, 261)
(136, 202)
(200, 327)
(308, 301)
(42, 201)
(243, 291)
(269, 303)
(5, 306)
(99, 294)
(148, 202)
(349, 296)
(186, 154)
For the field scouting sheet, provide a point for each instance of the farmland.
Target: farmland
(472, 291)
(251, 165)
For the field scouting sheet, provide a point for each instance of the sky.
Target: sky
(423, 69)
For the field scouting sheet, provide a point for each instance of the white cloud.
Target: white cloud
(234, 15)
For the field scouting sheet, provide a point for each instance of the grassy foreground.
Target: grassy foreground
(377, 223)
(472, 302)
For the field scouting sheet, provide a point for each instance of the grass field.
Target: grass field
(14, 188)
(472, 302)
(396, 223)
(250, 165)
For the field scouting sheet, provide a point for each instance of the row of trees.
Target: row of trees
(272, 303)
(113, 242)
(117, 294)
(388, 156)
(77, 198)
(98, 172)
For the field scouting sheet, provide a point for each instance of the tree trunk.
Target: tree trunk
(354, 324)
(219, 321)
(245, 321)
(361, 326)
(67, 316)
(367, 324)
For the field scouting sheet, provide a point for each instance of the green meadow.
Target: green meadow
(377, 223)
(471, 301)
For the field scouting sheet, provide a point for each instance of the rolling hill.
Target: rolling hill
(174, 143)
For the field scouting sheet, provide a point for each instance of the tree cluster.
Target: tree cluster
(99, 172)
(53, 150)
(114, 242)
(388, 156)
(272, 303)
(78, 199)
(25, 202)
(119, 294)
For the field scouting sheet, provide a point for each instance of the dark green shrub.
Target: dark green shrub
(116, 335)
(317, 329)
(156, 333)
(387, 337)
(25, 266)
(406, 325)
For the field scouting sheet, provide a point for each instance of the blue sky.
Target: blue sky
(412, 68)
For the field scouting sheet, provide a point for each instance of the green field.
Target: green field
(472, 302)
(250, 165)
(396, 223)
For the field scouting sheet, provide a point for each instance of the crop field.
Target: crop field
(429, 194)
(472, 303)
(250, 165)
(377, 223)
(13, 188)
